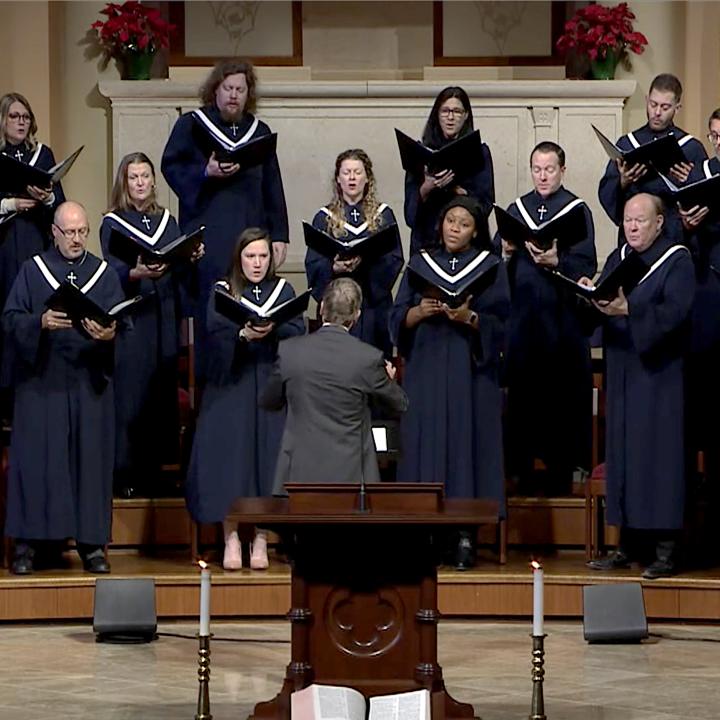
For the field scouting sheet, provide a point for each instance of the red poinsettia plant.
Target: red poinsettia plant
(596, 29)
(132, 27)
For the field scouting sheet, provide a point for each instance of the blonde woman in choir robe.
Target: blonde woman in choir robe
(355, 212)
(146, 396)
(236, 443)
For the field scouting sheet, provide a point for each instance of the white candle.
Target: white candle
(204, 598)
(538, 609)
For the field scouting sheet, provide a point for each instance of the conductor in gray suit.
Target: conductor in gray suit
(329, 380)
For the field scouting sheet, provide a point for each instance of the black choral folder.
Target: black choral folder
(371, 246)
(127, 248)
(78, 306)
(703, 193)
(462, 156)
(15, 175)
(242, 311)
(567, 228)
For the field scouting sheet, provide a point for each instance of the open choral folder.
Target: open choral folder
(659, 154)
(334, 702)
(15, 175)
(78, 306)
(368, 247)
(702, 193)
(626, 275)
(127, 248)
(242, 311)
(462, 156)
(567, 228)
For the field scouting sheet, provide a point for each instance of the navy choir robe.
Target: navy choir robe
(613, 197)
(376, 278)
(702, 379)
(236, 442)
(146, 381)
(25, 234)
(547, 363)
(226, 206)
(645, 464)
(62, 446)
(423, 217)
(452, 432)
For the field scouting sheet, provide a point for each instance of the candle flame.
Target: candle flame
(535, 565)
(202, 564)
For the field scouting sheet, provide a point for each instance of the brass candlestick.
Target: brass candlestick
(537, 706)
(203, 704)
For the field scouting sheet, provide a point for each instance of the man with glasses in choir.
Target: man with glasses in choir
(62, 447)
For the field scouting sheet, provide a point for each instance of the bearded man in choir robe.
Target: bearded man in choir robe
(621, 181)
(547, 359)
(62, 447)
(224, 197)
(646, 336)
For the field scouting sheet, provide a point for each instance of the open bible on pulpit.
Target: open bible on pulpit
(334, 702)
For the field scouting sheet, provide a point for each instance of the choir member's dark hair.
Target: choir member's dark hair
(230, 67)
(5, 102)
(433, 135)
(341, 301)
(120, 195)
(482, 233)
(665, 82)
(715, 115)
(547, 146)
(370, 204)
(236, 278)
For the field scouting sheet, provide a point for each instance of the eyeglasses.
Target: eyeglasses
(70, 233)
(448, 112)
(713, 137)
(23, 117)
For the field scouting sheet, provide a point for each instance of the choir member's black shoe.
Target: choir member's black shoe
(96, 564)
(660, 569)
(465, 553)
(615, 561)
(22, 565)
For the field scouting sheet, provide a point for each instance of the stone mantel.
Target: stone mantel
(315, 120)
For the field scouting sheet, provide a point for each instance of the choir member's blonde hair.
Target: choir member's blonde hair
(5, 102)
(230, 67)
(370, 204)
(236, 278)
(120, 195)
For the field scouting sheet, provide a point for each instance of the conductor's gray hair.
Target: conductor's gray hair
(341, 301)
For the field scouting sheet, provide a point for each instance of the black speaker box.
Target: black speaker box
(614, 613)
(125, 610)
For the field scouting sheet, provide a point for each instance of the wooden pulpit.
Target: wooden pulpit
(364, 586)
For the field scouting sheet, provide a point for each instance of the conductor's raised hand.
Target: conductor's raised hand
(55, 320)
(614, 308)
(97, 331)
(220, 169)
(630, 173)
(257, 332)
(544, 258)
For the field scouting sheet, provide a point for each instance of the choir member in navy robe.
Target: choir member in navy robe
(355, 212)
(646, 336)
(451, 118)
(25, 220)
(451, 432)
(236, 443)
(224, 197)
(63, 438)
(621, 181)
(702, 382)
(146, 381)
(547, 363)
